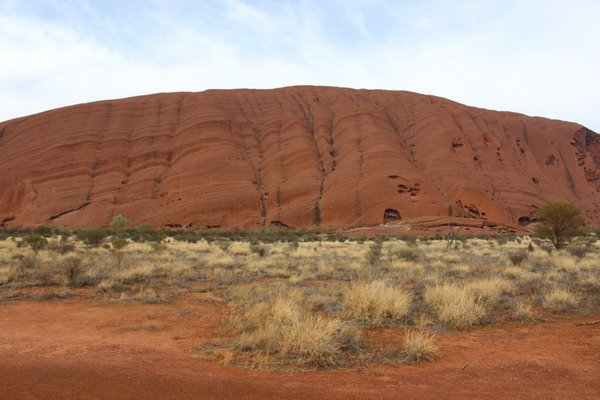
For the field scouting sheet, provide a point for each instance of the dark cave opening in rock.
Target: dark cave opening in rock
(279, 223)
(390, 215)
(524, 220)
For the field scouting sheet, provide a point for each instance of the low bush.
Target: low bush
(376, 302)
(419, 346)
(578, 251)
(158, 246)
(518, 257)
(560, 300)
(489, 291)
(72, 269)
(374, 254)
(411, 254)
(282, 329)
(92, 236)
(455, 306)
(118, 243)
(258, 249)
(28, 261)
(224, 244)
(524, 312)
(119, 223)
(61, 247)
(36, 243)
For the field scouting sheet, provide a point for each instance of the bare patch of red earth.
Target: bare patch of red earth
(77, 349)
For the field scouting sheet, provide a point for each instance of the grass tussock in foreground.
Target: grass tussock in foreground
(376, 302)
(313, 301)
(455, 306)
(284, 330)
(419, 346)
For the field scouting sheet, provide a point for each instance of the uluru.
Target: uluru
(246, 199)
(298, 156)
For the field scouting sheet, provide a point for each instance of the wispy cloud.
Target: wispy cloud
(535, 57)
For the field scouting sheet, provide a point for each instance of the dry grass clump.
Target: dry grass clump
(451, 258)
(513, 273)
(72, 269)
(410, 254)
(376, 302)
(5, 275)
(239, 248)
(518, 257)
(419, 346)
(560, 300)
(567, 264)
(281, 329)
(455, 306)
(532, 283)
(488, 291)
(291, 302)
(524, 312)
(136, 274)
(578, 251)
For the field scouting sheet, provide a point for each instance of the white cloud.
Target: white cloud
(533, 57)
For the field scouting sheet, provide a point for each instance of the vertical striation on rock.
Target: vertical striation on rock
(297, 156)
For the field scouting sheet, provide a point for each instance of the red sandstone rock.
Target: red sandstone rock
(299, 156)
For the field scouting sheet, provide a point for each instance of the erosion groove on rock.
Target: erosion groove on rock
(297, 156)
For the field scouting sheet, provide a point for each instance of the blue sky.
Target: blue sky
(535, 57)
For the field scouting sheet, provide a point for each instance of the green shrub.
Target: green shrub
(559, 221)
(92, 236)
(118, 243)
(258, 249)
(119, 223)
(145, 228)
(61, 247)
(36, 243)
(158, 246)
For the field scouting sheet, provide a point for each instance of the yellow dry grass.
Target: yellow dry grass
(376, 302)
(455, 305)
(419, 346)
(306, 303)
(560, 300)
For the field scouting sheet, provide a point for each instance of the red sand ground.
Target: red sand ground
(76, 349)
(301, 156)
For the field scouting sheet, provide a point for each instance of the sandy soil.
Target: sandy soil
(77, 349)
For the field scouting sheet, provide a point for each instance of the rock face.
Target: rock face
(298, 156)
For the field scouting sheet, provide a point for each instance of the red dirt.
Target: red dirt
(299, 156)
(77, 349)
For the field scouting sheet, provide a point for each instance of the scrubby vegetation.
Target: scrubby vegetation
(559, 221)
(309, 299)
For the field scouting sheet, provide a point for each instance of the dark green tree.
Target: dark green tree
(559, 221)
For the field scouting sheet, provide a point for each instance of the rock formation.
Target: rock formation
(297, 156)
